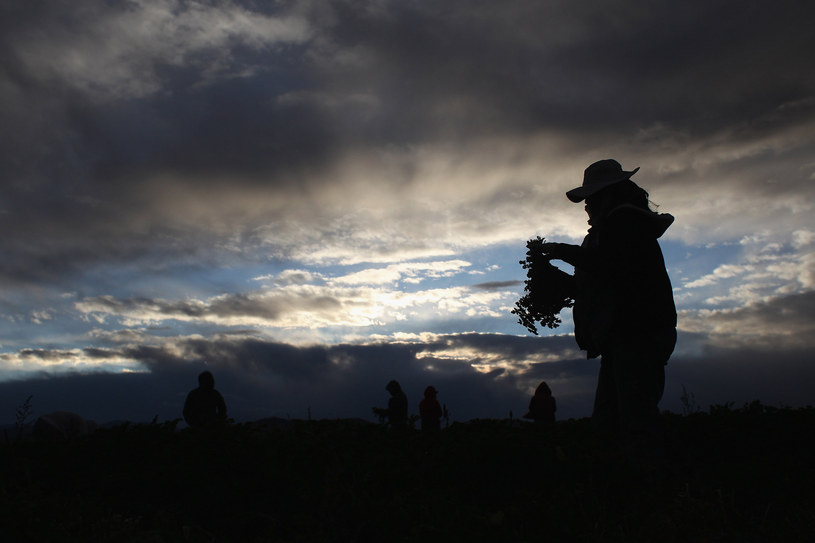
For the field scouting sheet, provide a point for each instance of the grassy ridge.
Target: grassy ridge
(731, 474)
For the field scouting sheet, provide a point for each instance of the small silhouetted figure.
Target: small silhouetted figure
(430, 411)
(542, 406)
(624, 309)
(204, 406)
(397, 411)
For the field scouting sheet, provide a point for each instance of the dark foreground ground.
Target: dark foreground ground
(728, 475)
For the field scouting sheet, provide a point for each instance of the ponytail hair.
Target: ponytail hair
(628, 192)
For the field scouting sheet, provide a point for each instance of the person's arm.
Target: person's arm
(189, 413)
(580, 257)
(221, 407)
(618, 256)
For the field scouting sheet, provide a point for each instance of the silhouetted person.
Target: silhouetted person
(624, 309)
(397, 411)
(204, 406)
(430, 410)
(542, 406)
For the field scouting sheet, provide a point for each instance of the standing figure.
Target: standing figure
(624, 309)
(542, 406)
(397, 411)
(204, 406)
(430, 410)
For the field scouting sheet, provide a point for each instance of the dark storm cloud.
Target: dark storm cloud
(101, 397)
(784, 322)
(98, 353)
(497, 285)
(781, 315)
(266, 307)
(514, 348)
(264, 378)
(96, 102)
(102, 128)
(45, 354)
(774, 376)
(256, 356)
(143, 141)
(581, 66)
(346, 379)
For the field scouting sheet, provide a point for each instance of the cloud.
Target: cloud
(291, 277)
(725, 271)
(478, 375)
(230, 128)
(784, 322)
(126, 50)
(741, 374)
(497, 285)
(264, 378)
(309, 306)
(764, 266)
(410, 272)
(27, 362)
(356, 164)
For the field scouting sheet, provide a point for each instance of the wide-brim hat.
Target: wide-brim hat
(598, 176)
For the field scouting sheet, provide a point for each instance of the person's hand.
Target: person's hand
(554, 250)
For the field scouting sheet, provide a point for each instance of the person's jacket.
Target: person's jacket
(623, 295)
(542, 407)
(430, 412)
(204, 406)
(398, 409)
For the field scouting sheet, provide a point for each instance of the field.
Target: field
(744, 474)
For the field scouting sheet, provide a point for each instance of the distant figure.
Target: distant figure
(204, 406)
(624, 309)
(61, 426)
(397, 411)
(430, 411)
(542, 406)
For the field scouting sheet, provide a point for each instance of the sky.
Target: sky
(311, 198)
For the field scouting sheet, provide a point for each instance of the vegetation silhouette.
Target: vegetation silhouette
(62, 425)
(22, 413)
(624, 310)
(733, 474)
(547, 290)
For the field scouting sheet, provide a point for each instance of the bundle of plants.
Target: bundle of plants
(547, 290)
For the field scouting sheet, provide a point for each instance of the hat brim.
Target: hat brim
(581, 193)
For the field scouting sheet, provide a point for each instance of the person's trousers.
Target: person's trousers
(629, 389)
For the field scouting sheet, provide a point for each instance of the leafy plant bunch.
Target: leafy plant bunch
(547, 290)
